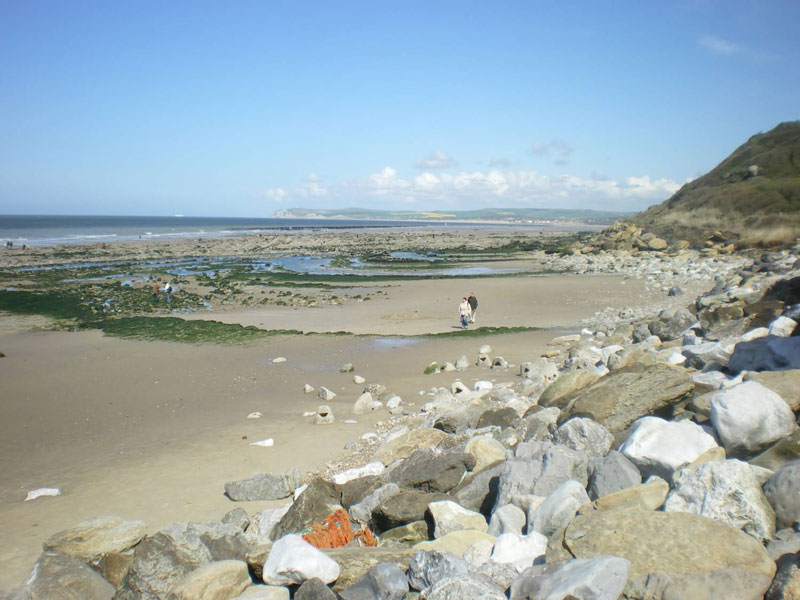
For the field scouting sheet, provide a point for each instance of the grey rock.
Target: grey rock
(539, 468)
(726, 491)
(237, 517)
(355, 490)
(65, 578)
(384, 581)
(640, 333)
(501, 574)
(314, 589)
(558, 509)
(786, 585)
(90, 540)
(406, 507)
(584, 435)
(431, 471)
(783, 492)
(478, 491)
(558, 393)
(672, 323)
(220, 579)
(355, 561)
(501, 417)
(708, 355)
(785, 541)
(507, 519)
(770, 353)
(611, 473)
(538, 424)
(316, 502)
(780, 453)
(362, 511)
(265, 486)
(410, 533)
(599, 578)
(784, 383)
(429, 566)
(471, 587)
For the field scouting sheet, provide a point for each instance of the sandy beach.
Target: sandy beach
(152, 430)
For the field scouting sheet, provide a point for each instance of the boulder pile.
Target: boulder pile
(654, 459)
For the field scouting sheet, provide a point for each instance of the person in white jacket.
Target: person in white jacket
(464, 313)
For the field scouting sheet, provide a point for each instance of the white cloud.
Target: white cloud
(277, 194)
(436, 160)
(719, 46)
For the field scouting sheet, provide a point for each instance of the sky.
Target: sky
(241, 108)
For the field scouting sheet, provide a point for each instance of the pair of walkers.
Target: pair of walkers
(467, 310)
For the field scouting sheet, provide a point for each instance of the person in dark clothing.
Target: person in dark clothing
(473, 304)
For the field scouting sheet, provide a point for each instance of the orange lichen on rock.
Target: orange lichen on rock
(335, 531)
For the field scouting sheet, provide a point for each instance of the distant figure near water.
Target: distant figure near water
(154, 289)
(473, 305)
(464, 312)
(168, 292)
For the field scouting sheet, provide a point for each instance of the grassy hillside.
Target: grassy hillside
(753, 196)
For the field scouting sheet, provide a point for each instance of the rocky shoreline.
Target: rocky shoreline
(649, 456)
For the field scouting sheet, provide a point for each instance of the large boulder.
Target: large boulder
(384, 581)
(539, 468)
(726, 491)
(355, 561)
(583, 434)
(558, 509)
(406, 507)
(431, 471)
(672, 555)
(292, 560)
(660, 447)
(622, 397)
(599, 578)
(749, 416)
(265, 486)
(783, 492)
(219, 580)
(91, 540)
(406, 444)
(784, 383)
(317, 501)
(770, 353)
(428, 567)
(611, 473)
(361, 512)
(449, 516)
(478, 491)
(519, 550)
(57, 576)
(559, 392)
(486, 450)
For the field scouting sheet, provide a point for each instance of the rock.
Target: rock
(540, 370)
(660, 447)
(770, 353)
(237, 517)
(370, 469)
(224, 542)
(539, 468)
(478, 491)
(502, 575)
(346, 368)
(314, 589)
(384, 581)
(783, 492)
(448, 517)
(65, 578)
(622, 397)
(672, 555)
(507, 519)
(462, 588)
(486, 450)
(358, 379)
(559, 391)
(519, 550)
(558, 509)
(324, 415)
(91, 540)
(646, 496)
(599, 578)
(784, 383)
(325, 394)
(376, 389)
(708, 355)
(611, 473)
(456, 542)
(406, 444)
(539, 424)
(482, 386)
(317, 501)
(749, 416)
(362, 511)
(355, 562)
(405, 507)
(307, 389)
(500, 417)
(430, 471)
(786, 541)
(265, 486)
(780, 453)
(726, 491)
(264, 592)
(278, 360)
(672, 323)
(293, 560)
(364, 404)
(428, 567)
(584, 435)
(267, 519)
(411, 533)
(219, 580)
(782, 327)
(786, 585)
(161, 561)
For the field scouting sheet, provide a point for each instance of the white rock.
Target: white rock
(462, 363)
(267, 443)
(309, 413)
(394, 402)
(749, 416)
(519, 550)
(373, 468)
(586, 331)
(485, 349)
(350, 422)
(486, 451)
(292, 561)
(660, 447)
(307, 389)
(598, 578)
(507, 519)
(450, 516)
(299, 491)
(482, 386)
(255, 415)
(267, 519)
(754, 334)
(581, 433)
(726, 491)
(478, 553)
(278, 360)
(782, 326)
(558, 509)
(364, 403)
(38, 493)
(325, 394)
(358, 379)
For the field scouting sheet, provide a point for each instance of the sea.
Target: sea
(53, 230)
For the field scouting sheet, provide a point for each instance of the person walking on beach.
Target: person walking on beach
(473, 305)
(464, 312)
(167, 292)
(154, 289)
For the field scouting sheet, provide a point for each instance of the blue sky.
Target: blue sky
(241, 108)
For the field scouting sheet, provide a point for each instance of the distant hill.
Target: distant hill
(751, 197)
(510, 215)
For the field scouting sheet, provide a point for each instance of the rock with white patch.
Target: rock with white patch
(292, 561)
